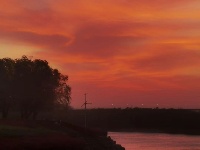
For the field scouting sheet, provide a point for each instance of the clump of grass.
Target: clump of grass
(15, 131)
(58, 142)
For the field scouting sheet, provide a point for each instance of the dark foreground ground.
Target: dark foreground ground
(68, 132)
(52, 135)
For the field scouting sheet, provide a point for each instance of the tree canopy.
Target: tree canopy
(31, 86)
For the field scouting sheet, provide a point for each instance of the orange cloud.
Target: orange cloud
(167, 58)
(139, 51)
(51, 41)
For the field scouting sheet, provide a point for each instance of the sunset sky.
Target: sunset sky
(123, 53)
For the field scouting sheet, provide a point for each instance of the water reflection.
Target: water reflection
(156, 141)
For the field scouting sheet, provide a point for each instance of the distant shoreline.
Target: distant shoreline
(171, 121)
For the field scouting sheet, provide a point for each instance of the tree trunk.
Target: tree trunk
(4, 114)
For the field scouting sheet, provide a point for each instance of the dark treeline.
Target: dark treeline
(30, 86)
(140, 119)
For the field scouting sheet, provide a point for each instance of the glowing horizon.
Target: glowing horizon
(121, 52)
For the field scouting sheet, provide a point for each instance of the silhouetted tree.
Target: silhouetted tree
(33, 84)
(6, 85)
(63, 91)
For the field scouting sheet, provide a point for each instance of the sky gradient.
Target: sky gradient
(123, 53)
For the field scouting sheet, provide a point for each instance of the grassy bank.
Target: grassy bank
(21, 135)
(51, 135)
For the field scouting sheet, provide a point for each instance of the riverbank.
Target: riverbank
(102, 143)
(45, 135)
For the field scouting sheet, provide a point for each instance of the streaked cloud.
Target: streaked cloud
(122, 50)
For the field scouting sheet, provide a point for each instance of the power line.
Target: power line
(85, 103)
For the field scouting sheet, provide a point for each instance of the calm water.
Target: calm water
(155, 141)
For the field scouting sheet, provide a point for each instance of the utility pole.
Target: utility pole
(85, 109)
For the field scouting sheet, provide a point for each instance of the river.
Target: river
(155, 141)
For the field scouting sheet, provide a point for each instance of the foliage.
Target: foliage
(31, 86)
(6, 86)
